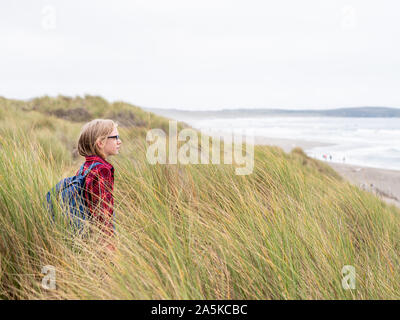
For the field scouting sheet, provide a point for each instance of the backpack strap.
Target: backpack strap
(90, 168)
(80, 170)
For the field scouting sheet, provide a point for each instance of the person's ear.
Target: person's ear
(100, 143)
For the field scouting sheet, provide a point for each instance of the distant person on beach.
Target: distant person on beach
(99, 139)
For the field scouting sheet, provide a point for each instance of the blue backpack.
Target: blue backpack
(69, 194)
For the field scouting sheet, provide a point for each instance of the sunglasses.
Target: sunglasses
(114, 137)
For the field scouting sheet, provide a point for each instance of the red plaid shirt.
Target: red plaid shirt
(99, 185)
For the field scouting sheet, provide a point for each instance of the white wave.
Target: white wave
(373, 142)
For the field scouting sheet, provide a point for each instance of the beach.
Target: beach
(382, 182)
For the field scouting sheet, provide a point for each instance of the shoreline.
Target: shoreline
(384, 183)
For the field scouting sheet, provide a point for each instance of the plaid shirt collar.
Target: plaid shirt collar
(91, 159)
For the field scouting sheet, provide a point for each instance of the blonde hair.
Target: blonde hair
(92, 132)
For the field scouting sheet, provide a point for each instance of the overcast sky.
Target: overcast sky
(204, 54)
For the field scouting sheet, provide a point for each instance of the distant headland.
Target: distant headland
(356, 112)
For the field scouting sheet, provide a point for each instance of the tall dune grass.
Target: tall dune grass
(188, 231)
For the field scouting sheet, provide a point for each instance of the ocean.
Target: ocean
(371, 142)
